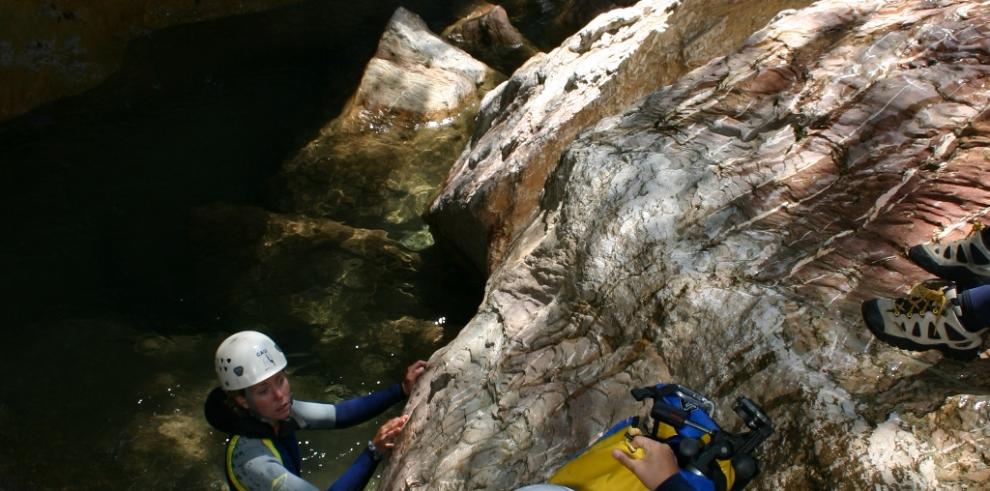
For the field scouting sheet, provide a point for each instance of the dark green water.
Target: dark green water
(109, 349)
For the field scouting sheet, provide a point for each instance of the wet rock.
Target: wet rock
(371, 180)
(489, 36)
(494, 187)
(721, 233)
(186, 433)
(378, 164)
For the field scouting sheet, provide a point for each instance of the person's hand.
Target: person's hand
(412, 374)
(384, 439)
(656, 466)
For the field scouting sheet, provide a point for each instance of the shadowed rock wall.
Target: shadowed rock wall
(60, 48)
(54, 49)
(721, 233)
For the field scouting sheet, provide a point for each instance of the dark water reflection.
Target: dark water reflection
(107, 348)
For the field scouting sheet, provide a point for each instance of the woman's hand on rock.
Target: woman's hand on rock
(412, 374)
(384, 439)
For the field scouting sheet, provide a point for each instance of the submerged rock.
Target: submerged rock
(720, 233)
(290, 269)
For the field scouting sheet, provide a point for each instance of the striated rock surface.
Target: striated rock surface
(378, 163)
(720, 233)
(524, 125)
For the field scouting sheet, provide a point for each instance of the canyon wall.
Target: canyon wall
(721, 233)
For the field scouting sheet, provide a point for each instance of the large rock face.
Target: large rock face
(51, 50)
(524, 126)
(722, 234)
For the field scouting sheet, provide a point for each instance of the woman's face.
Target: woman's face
(271, 399)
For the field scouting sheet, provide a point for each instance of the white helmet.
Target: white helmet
(246, 358)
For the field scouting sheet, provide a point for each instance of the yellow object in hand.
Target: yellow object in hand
(597, 470)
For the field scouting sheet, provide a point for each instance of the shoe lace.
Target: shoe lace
(921, 299)
(977, 227)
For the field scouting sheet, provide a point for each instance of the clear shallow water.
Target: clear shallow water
(109, 353)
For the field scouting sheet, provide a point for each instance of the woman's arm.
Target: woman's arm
(356, 477)
(346, 413)
(358, 410)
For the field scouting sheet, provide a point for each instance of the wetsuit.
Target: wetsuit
(685, 481)
(259, 459)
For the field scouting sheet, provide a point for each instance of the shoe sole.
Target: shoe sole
(871, 316)
(961, 275)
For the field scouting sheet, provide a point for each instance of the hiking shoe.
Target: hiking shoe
(965, 261)
(928, 318)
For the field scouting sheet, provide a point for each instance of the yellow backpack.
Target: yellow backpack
(720, 460)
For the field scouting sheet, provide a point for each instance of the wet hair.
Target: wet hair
(231, 400)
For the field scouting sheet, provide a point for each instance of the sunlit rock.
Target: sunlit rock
(489, 36)
(493, 190)
(721, 233)
(414, 77)
(378, 164)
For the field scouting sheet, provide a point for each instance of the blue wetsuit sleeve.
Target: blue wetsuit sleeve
(356, 477)
(361, 409)
(315, 415)
(686, 481)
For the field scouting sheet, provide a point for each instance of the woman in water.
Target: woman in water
(255, 407)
